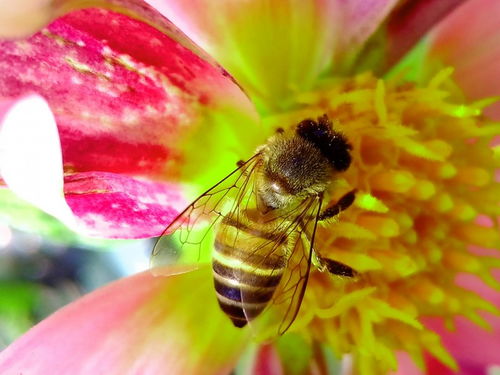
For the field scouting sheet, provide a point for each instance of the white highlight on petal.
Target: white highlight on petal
(31, 158)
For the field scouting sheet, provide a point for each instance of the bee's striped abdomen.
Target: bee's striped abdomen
(248, 264)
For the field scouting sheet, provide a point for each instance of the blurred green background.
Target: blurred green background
(44, 266)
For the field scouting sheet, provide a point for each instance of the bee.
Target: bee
(263, 217)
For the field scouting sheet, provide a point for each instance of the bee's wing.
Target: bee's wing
(287, 298)
(188, 239)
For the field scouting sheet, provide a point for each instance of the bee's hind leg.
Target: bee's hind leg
(342, 204)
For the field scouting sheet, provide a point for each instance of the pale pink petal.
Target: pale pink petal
(360, 20)
(30, 156)
(406, 366)
(115, 206)
(469, 40)
(126, 95)
(276, 48)
(139, 325)
(273, 48)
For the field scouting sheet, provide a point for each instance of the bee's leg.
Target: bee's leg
(317, 261)
(343, 203)
(280, 130)
(332, 266)
(338, 268)
(240, 163)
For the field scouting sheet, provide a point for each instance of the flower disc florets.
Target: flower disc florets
(423, 166)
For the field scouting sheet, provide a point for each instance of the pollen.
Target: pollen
(424, 171)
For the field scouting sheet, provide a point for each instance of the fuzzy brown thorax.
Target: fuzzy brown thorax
(300, 162)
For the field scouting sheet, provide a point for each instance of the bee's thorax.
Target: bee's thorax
(292, 169)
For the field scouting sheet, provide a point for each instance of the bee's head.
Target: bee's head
(332, 144)
(301, 163)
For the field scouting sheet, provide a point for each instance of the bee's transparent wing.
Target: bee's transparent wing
(285, 303)
(188, 240)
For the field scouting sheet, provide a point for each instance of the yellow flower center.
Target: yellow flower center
(423, 166)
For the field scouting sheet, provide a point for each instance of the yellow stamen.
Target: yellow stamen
(424, 170)
(393, 181)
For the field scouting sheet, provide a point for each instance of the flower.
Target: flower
(423, 166)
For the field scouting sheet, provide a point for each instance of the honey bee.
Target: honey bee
(263, 218)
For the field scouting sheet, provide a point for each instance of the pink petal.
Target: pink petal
(106, 204)
(267, 361)
(126, 95)
(271, 47)
(361, 19)
(138, 325)
(410, 22)
(406, 366)
(114, 206)
(473, 347)
(469, 40)
(276, 48)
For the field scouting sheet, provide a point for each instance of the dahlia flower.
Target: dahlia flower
(116, 113)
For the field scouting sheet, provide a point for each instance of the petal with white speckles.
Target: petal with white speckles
(116, 206)
(130, 96)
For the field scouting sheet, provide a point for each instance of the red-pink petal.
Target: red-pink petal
(267, 361)
(115, 206)
(125, 94)
(138, 325)
(474, 348)
(469, 40)
(106, 204)
(411, 21)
